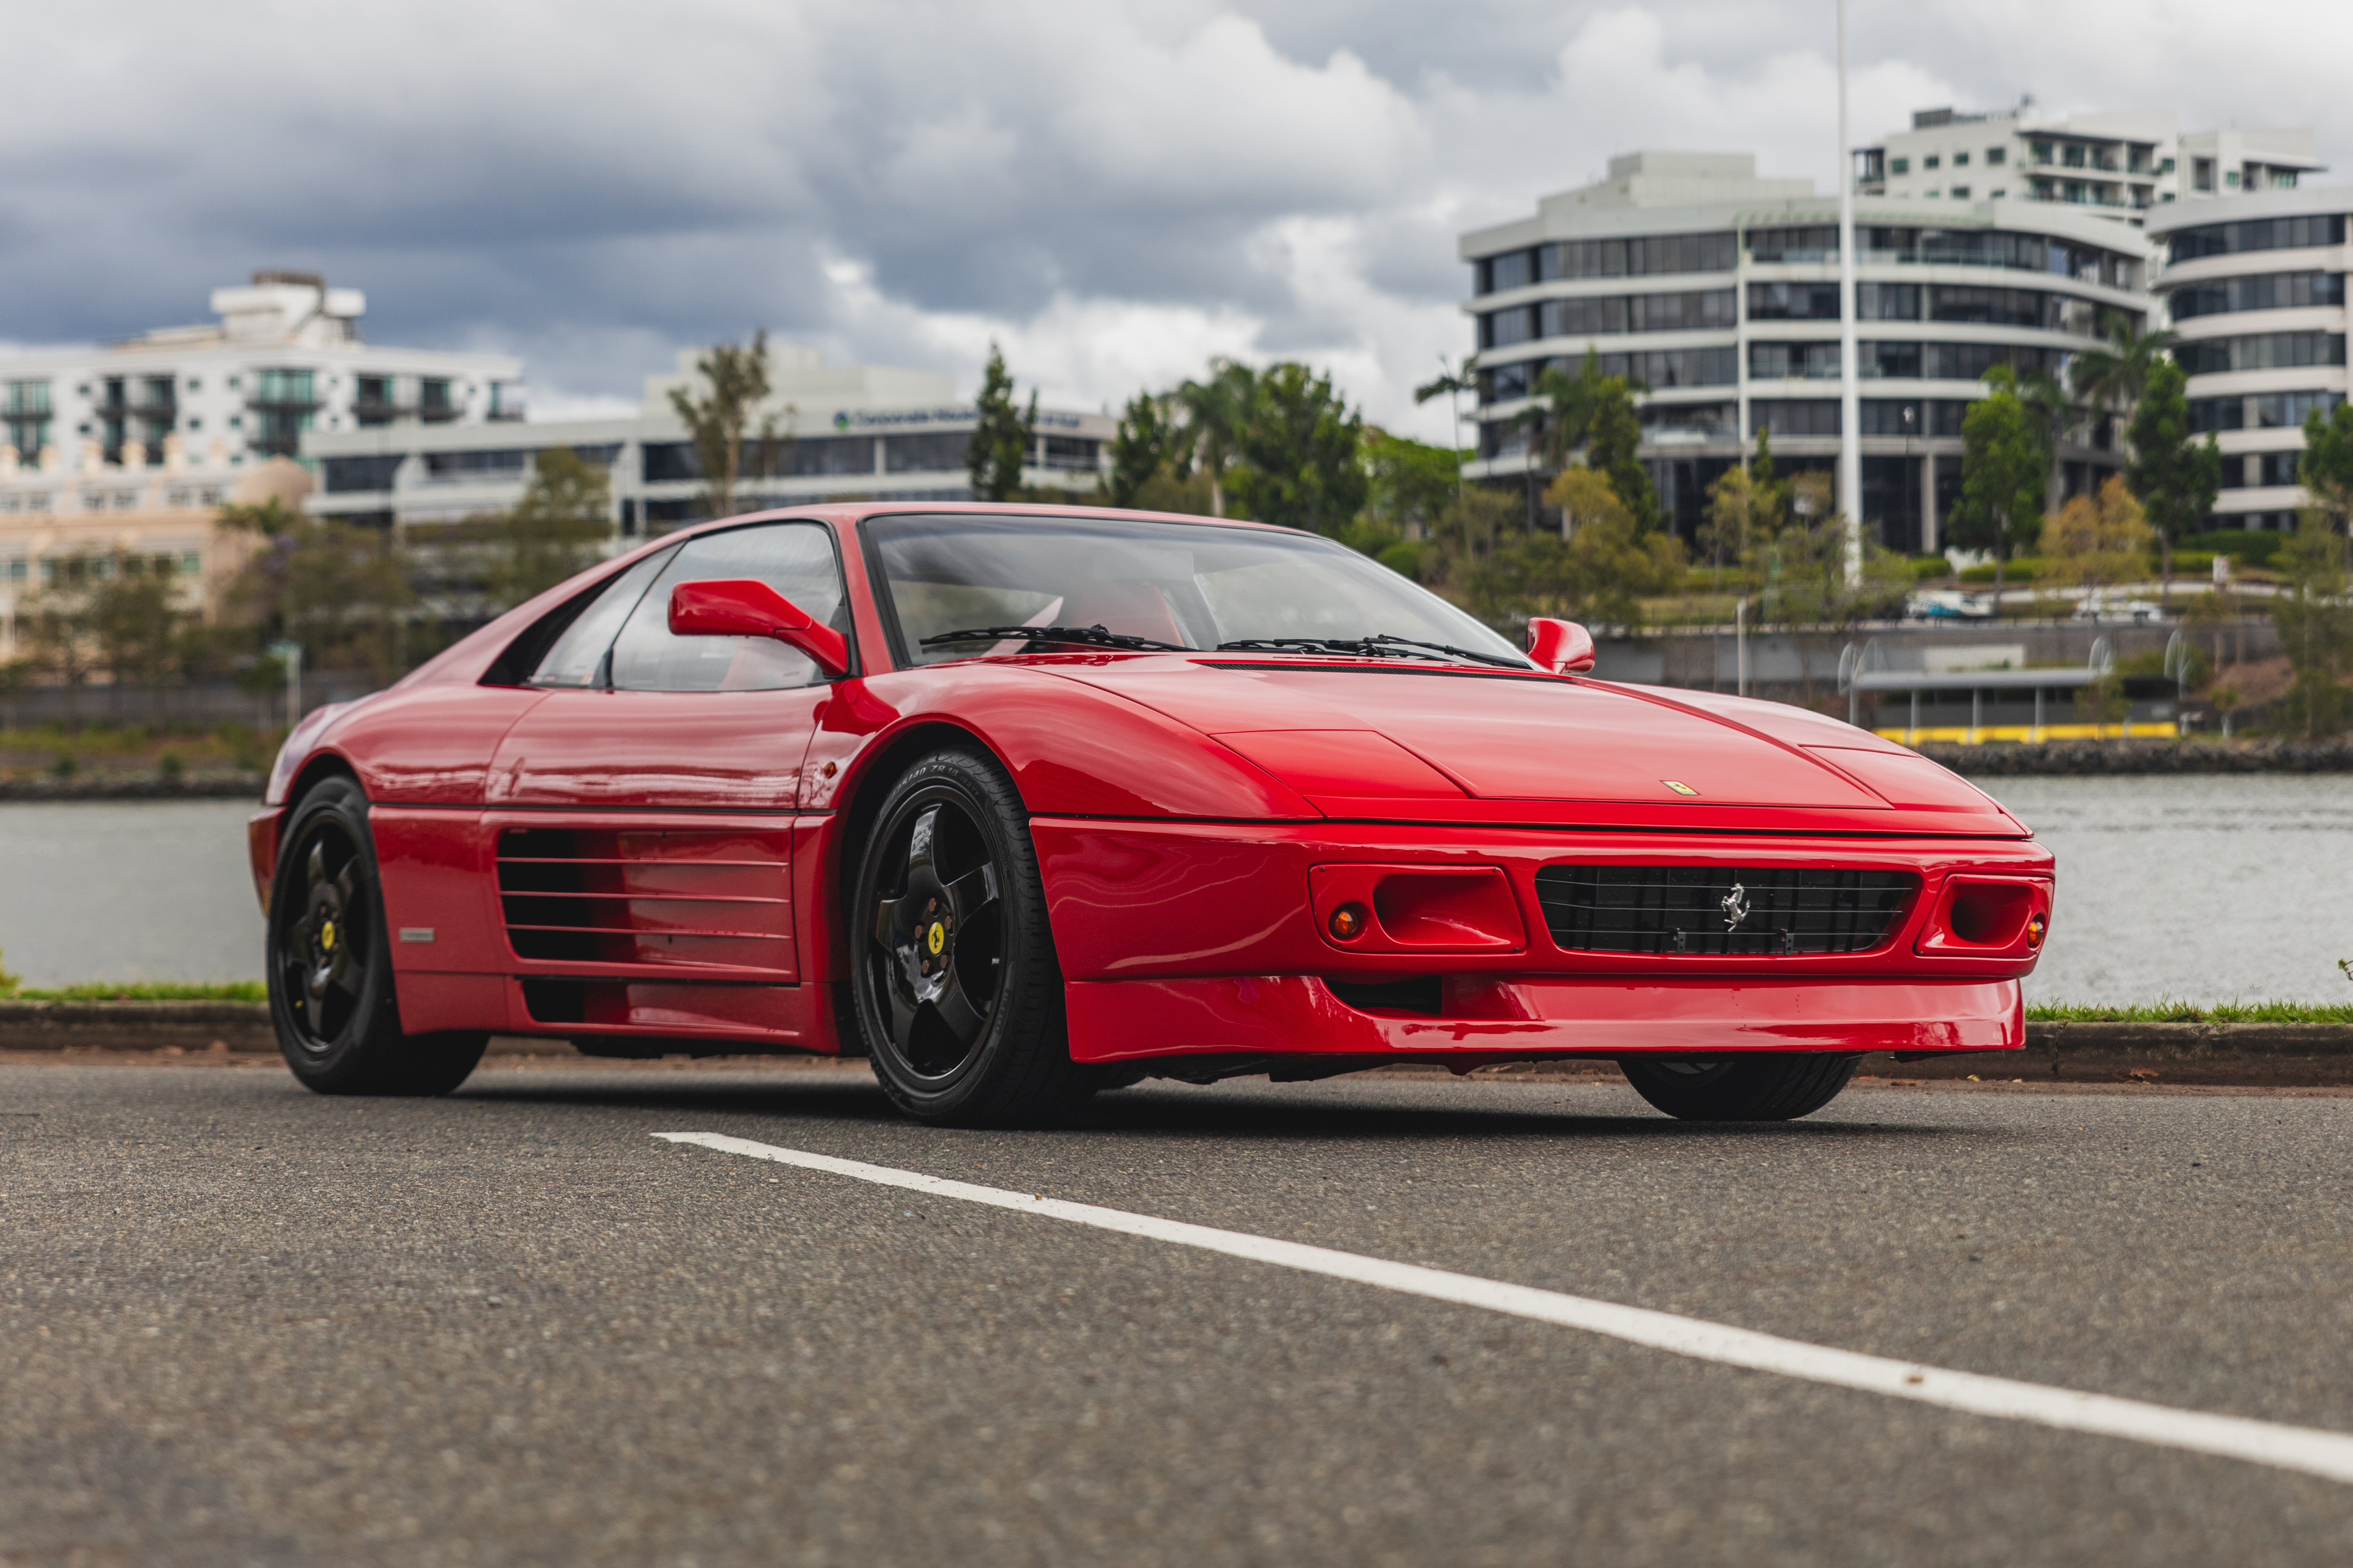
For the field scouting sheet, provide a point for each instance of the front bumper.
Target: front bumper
(1191, 938)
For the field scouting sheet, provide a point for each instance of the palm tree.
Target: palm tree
(2113, 378)
(1215, 412)
(1451, 384)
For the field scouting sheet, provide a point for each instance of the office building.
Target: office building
(1718, 292)
(2254, 285)
(850, 431)
(285, 357)
(2121, 165)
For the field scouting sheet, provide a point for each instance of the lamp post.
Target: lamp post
(1850, 474)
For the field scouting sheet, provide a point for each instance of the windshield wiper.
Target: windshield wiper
(1381, 646)
(1096, 635)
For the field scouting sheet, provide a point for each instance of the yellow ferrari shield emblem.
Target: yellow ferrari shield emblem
(327, 936)
(1679, 787)
(939, 938)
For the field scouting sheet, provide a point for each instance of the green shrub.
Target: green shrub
(170, 766)
(1925, 568)
(2023, 570)
(2252, 547)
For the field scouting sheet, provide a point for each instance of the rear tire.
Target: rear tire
(957, 994)
(329, 962)
(1756, 1086)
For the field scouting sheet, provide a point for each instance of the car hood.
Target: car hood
(1429, 742)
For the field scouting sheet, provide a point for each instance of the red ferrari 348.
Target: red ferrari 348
(1022, 803)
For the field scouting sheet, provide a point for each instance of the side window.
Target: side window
(794, 558)
(578, 657)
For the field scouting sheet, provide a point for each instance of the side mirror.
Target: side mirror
(745, 607)
(1562, 647)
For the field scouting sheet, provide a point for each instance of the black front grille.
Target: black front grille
(1671, 910)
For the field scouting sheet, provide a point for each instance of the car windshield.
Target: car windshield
(1166, 584)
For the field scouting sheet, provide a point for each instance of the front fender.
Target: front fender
(1073, 750)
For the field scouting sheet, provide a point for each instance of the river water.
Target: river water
(2203, 889)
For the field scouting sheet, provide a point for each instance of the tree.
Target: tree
(1602, 563)
(734, 384)
(2005, 475)
(340, 591)
(557, 529)
(2097, 544)
(1408, 488)
(1005, 435)
(1215, 410)
(1614, 432)
(1745, 505)
(2315, 626)
(134, 618)
(1145, 447)
(1300, 463)
(2326, 467)
(2114, 377)
(1450, 385)
(2175, 480)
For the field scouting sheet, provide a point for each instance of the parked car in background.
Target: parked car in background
(1948, 604)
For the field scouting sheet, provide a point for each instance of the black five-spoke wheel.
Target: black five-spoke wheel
(330, 964)
(958, 998)
(325, 958)
(938, 933)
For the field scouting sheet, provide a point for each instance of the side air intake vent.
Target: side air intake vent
(1725, 911)
(715, 901)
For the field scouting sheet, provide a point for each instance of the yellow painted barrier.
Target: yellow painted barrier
(1962, 734)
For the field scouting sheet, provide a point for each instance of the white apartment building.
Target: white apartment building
(2254, 285)
(854, 432)
(1718, 292)
(285, 357)
(2121, 164)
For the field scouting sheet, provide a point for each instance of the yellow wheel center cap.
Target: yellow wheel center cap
(937, 937)
(327, 936)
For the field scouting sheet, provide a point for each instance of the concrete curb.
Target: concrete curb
(2251, 1055)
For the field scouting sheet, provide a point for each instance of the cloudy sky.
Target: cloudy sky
(1116, 191)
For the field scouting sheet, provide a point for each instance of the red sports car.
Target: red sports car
(1021, 803)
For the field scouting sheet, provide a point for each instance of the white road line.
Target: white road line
(2305, 1448)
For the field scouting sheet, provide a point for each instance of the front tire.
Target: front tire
(329, 962)
(957, 994)
(1756, 1086)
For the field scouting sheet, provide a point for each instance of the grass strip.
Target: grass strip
(2189, 1013)
(142, 991)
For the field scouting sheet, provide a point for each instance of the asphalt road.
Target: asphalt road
(247, 1325)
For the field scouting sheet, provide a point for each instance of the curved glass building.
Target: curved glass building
(1717, 292)
(2254, 286)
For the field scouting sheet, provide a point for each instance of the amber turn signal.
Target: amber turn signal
(2035, 926)
(1349, 920)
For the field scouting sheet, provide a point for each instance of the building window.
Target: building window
(1930, 162)
(433, 402)
(2267, 291)
(2258, 234)
(1960, 159)
(1794, 416)
(1997, 156)
(1899, 165)
(1509, 270)
(2266, 351)
(1960, 192)
(2041, 152)
(1501, 329)
(1997, 193)
(2071, 155)
(1793, 362)
(1647, 258)
(2230, 178)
